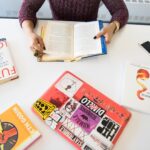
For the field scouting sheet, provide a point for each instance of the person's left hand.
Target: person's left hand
(107, 32)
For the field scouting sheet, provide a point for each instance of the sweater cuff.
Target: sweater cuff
(122, 19)
(21, 20)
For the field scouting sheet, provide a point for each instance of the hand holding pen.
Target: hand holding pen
(108, 31)
(36, 44)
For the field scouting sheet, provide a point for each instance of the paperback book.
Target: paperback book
(7, 67)
(69, 41)
(16, 130)
(81, 114)
(136, 90)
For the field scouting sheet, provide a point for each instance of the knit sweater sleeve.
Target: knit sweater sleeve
(29, 9)
(118, 10)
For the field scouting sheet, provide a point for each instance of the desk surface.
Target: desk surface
(103, 72)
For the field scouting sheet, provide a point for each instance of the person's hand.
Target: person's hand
(107, 32)
(36, 44)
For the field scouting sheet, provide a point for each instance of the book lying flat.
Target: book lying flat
(136, 91)
(68, 41)
(7, 68)
(82, 115)
(16, 130)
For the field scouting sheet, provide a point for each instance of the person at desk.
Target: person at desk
(72, 10)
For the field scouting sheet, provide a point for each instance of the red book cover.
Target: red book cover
(81, 114)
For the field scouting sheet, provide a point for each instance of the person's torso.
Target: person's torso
(75, 10)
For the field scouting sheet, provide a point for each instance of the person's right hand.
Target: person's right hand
(36, 43)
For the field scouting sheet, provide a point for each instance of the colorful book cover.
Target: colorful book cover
(136, 93)
(82, 115)
(16, 130)
(7, 68)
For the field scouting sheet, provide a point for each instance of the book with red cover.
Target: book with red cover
(81, 114)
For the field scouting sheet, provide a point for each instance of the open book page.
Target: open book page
(58, 39)
(84, 44)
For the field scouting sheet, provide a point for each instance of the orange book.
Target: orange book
(16, 130)
(81, 114)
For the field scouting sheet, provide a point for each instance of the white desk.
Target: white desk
(103, 72)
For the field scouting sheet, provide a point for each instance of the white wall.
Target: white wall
(139, 10)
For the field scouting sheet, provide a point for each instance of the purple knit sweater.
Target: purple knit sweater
(74, 10)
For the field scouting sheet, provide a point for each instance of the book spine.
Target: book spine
(102, 39)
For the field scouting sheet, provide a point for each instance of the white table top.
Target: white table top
(105, 73)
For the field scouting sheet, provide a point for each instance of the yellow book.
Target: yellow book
(16, 130)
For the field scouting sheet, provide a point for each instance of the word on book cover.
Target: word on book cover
(81, 114)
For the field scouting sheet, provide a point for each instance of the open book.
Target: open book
(68, 40)
(136, 93)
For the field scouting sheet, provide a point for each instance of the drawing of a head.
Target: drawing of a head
(70, 107)
(142, 74)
